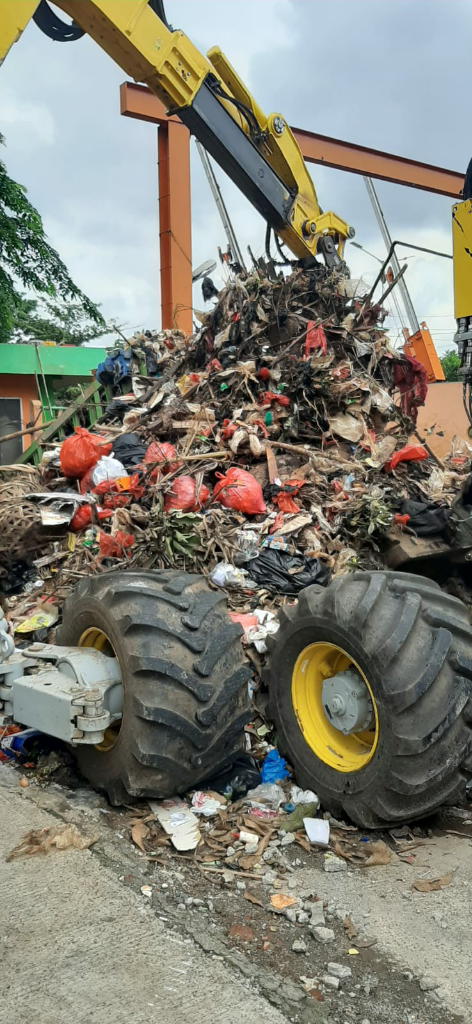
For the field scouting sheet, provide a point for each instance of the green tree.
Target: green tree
(27, 259)
(450, 363)
(43, 320)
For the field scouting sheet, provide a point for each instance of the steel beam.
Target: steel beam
(138, 101)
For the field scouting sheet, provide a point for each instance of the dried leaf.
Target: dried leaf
(303, 842)
(349, 928)
(253, 899)
(365, 943)
(342, 850)
(138, 833)
(432, 885)
(379, 853)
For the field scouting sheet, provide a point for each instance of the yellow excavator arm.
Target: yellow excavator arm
(259, 153)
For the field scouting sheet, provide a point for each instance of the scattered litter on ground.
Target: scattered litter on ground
(317, 830)
(432, 885)
(178, 821)
(41, 840)
(273, 768)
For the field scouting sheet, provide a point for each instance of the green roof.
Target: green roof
(52, 360)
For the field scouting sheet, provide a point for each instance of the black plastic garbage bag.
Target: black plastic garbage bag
(460, 526)
(234, 781)
(115, 409)
(285, 573)
(129, 450)
(426, 517)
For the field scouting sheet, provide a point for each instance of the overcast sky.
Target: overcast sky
(391, 74)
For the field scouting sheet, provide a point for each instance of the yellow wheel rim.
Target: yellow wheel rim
(97, 639)
(316, 663)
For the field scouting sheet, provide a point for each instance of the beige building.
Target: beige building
(444, 408)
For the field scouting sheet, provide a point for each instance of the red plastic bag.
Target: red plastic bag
(117, 500)
(86, 482)
(284, 499)
(116, 546)
(183, 496)
(83, 517)
(239, 490)
(228, 429)
(410, 453)
(81, 451)
(124, 484)
(271, 396)
(162, 453)
(399, 520)
(315, 339)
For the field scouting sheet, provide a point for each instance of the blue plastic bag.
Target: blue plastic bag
(273, 767)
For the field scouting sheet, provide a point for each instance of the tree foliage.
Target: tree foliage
(45, 320)
(27, 260)
(450, 363)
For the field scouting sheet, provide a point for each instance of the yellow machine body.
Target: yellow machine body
(462, 258)
(174, 69)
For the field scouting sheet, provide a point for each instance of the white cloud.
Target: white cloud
(26, 123)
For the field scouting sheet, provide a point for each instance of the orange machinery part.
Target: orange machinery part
(421, 347)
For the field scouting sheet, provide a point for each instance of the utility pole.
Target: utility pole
(220, 205)
(409, 307)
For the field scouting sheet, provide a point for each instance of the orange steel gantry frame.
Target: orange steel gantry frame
(175, 231)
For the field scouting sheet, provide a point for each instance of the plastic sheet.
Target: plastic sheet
(409, 453)
(273, 768)
(83, 517)
(116, 545)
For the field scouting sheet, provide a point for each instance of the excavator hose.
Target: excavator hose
(54, 27)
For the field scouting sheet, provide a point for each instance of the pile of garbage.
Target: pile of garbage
(272, 449)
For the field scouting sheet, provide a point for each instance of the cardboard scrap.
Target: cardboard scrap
(378, 853)
(317, 830)
(280, 901)
(349, 928)
(178, 821)
(432, 885)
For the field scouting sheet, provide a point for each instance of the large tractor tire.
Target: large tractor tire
(370, 690)
(184, 676)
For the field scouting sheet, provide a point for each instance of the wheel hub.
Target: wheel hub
(346, 702)
(335, 707)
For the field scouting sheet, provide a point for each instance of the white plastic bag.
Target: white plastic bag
(227, 575)
(107, 468)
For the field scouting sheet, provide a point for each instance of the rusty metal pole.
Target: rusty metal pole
(175, 235)
(175, 228)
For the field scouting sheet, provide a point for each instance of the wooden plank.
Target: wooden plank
(33, 453)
